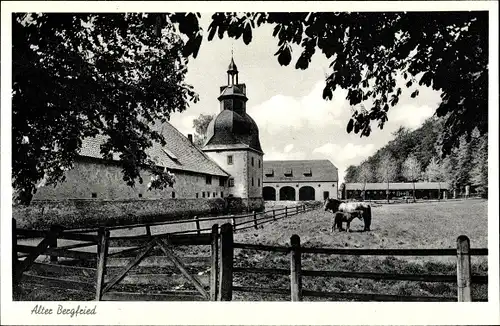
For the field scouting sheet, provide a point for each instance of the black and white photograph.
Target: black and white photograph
(336, 154)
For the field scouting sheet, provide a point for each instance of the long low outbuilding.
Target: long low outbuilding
(300, 180)
(423, 190)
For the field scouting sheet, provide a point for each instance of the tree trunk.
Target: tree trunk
(414, 200)
(387, 194)
(439, 194)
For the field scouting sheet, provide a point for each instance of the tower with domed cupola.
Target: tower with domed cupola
(232, 141)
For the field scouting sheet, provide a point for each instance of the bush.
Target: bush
(217, 206)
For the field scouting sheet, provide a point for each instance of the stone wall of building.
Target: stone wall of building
(255, 174)
(238, 169)
(319, 189)
(92, 179)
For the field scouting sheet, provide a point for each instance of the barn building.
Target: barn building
(230, 164)
(378, 191)
(300, 180)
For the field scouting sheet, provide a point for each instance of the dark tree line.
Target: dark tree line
(413, 156)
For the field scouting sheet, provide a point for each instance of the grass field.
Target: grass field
(420, 225)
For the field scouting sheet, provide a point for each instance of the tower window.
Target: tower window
(140, 195)
(173, 194)
(258, 182)
(208, 179)
(253, 182)
(231, 182)
(259, 164)
(252, 161)
(94, 195)
(196, 195)
(230, 159)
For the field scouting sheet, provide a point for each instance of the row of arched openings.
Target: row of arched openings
(289, 193)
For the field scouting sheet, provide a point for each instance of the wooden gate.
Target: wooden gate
(114, 273)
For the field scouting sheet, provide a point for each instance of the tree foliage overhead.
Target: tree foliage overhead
(83, 75)
(447, 51)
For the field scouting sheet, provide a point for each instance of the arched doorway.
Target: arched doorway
(306, 193)
(269, 193)
(287, 193)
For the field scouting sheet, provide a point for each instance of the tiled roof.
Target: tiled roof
(397, 186)
(306, 170)
(178, 153)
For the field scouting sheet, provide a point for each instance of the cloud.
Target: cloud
(282, 112)
(288, 148)
(345, 153)
(274, 155)
(411, 116)
(183, 123)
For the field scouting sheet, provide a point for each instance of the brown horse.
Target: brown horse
(364, 210)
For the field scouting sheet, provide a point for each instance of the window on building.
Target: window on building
(288, 172)
(208, 179)
(203, 194)
(221, 182)
(307, 172)
(208, 194)
(222, 194)
(230, 159)
(252, 161)
(259, 164)
(94, 195)
(196, 195)
(231, 182)
(173, 194)
(258, 182)
(140, 195)
(269, 172)
(214, 195)
(253, 182)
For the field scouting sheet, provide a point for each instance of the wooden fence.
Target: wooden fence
(103, 255)
(108, 264)
(463, 278)
(201, 225)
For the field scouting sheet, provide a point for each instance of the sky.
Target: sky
(294, 121)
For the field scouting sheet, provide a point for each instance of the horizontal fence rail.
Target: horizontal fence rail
(463, 278)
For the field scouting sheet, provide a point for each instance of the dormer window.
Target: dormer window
(307, 172)
(269, 172)
(288, 172)
(170, 154)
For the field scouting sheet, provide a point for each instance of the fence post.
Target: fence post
(286, 211)
(53, 244)
(295, 269)
(303, 208)
(225, 292)
(14, 247)
(297, 209)
(255, 220)
(233, 220)
(274, 215)
(103, 236)
(463, 269)
(148, 230)
(214, 256)
(197, 225)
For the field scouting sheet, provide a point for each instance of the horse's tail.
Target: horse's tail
(368, 217)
